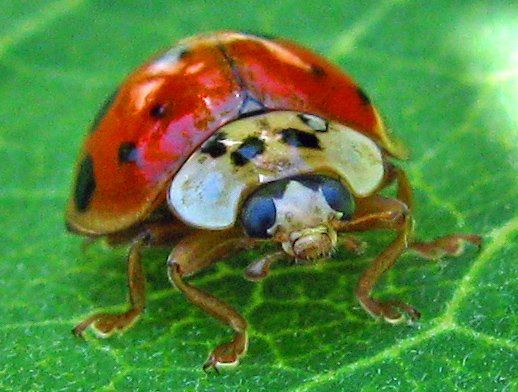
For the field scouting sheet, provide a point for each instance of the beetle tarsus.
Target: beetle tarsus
(226, 355)
(353, 244)
(260, 269)
(451, 245)
(77, 332)
(106, 324)
(392, 311)
(406, 312)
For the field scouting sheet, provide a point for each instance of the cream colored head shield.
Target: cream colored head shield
(208, 189)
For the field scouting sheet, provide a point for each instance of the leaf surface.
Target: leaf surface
(445, 76)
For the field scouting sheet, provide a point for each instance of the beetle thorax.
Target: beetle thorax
(303, 222)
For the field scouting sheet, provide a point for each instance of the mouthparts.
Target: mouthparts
(311, 244)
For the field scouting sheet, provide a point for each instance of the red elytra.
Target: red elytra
(177, 100)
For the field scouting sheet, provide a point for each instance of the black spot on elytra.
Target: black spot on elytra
(214, 146)
(249, 149)
(158, 111)
(174, 55)
(183, 53)
(127, 152)
(317, 70)
(85, 184)
(364, 98)
(103, 110)
(297, 138)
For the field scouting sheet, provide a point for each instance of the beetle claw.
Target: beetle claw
(223, 357)
(393, 316)
(393, 311)
(77, 333)
(213, 364)
(209, 365)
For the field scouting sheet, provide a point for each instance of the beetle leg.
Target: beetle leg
(394, 174)
(193, 253)
(389, 310)
(259, 269)
(451, 245)
(160, 234)
(378, 212)
(105, 324)
(375, 212)
(353, 244)
(155, 234)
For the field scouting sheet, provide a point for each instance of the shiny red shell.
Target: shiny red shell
(174, 102)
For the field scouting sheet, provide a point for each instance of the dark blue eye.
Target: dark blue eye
(258, 216)
(338, 197)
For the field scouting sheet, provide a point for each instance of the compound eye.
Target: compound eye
(258, 216)
(338, 197)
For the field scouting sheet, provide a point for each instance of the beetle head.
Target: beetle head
(297, 212)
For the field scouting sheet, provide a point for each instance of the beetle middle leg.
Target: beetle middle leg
(159, 233)
(194, 253)
(450, 245)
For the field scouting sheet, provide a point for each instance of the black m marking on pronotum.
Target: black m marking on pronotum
(214, 146)
(249, 149)
(316, 123)
(297, 138)
(173, 55)
(318, 71)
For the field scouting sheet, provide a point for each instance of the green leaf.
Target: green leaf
(445, 76)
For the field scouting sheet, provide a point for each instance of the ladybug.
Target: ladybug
(225, 141)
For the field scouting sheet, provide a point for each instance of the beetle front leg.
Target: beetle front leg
(389, 310)
(259, 269)
(378, 212)
(106, 324)
(195, 252)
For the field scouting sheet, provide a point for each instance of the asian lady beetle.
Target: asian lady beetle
(230, 139)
